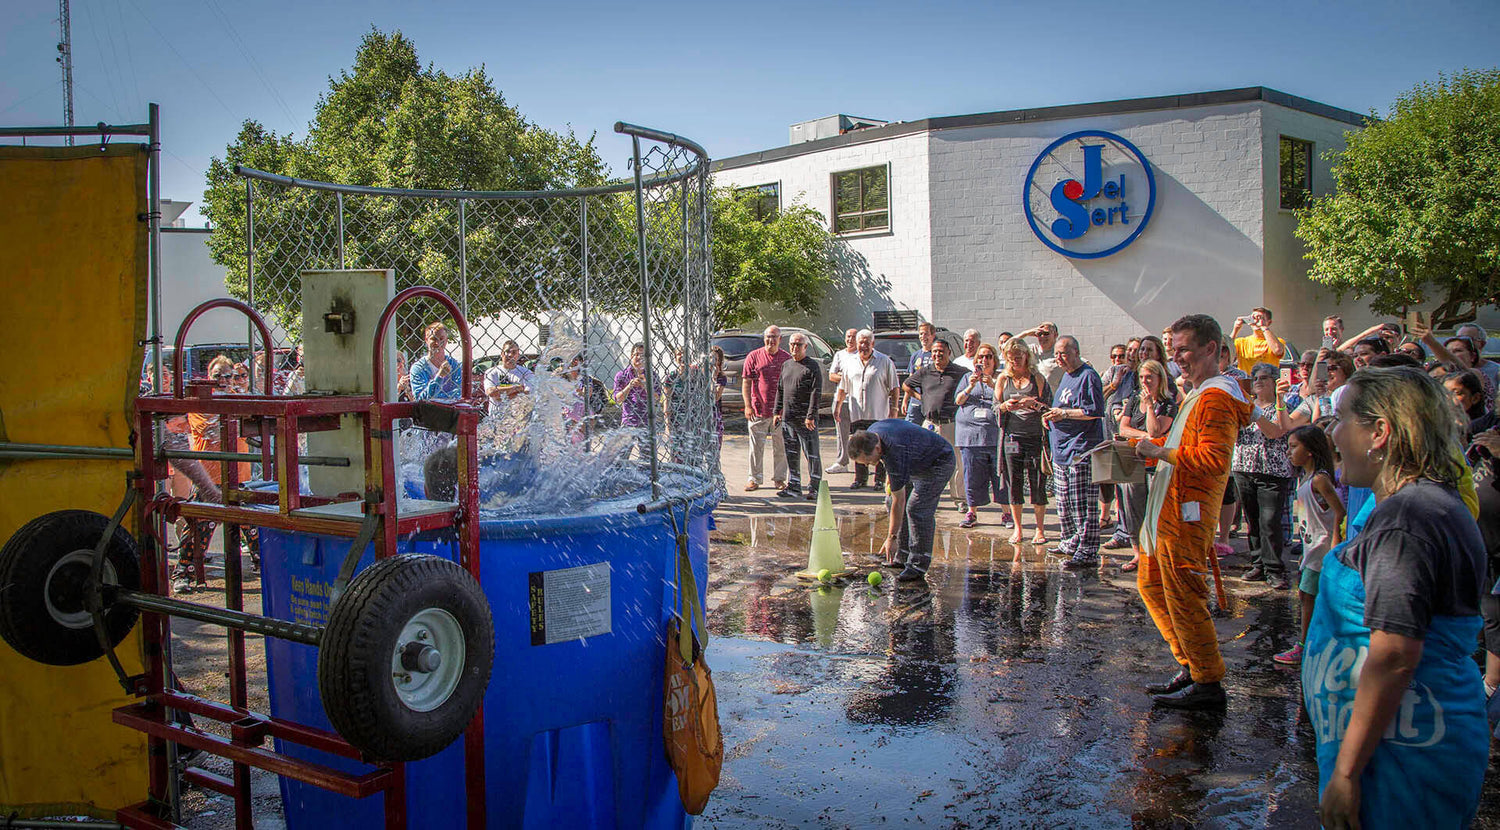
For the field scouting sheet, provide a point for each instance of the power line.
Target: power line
(184, 60)
(239, 42)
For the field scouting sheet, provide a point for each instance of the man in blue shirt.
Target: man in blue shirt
(1075, 429)
(927, 335)
(918, 460)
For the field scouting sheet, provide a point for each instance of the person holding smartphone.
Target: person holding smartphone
(1261, 345)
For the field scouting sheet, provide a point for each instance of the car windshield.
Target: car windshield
(899, 349)
(738, 345)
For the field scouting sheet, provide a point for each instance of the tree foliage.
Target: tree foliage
(785, 260)
(391, 122)
(1415, 218)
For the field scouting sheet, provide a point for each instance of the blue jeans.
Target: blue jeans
(920, 522)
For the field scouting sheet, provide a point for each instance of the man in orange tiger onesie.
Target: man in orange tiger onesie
(1177, 534)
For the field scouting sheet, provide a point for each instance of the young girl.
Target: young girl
(1317, 514)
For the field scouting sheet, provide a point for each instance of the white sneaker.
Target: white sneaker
(835, 468)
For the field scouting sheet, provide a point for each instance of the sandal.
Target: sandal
(1017, 537)
(1039, 539)
(1131, 565)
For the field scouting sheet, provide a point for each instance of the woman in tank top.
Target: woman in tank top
(1022, 397)
(1317, 515)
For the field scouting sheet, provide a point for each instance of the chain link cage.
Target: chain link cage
(575, 280)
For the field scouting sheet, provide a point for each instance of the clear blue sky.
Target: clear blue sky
(733, 76)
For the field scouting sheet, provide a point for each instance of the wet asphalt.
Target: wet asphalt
(1003, 692)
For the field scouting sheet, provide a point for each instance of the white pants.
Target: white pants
(759, 427)
(841, 425)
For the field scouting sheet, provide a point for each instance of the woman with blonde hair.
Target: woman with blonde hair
(1395, 701)
(1147, 414)
(1020, 399)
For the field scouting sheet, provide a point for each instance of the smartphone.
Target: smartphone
(1245, 321)
(1330, 343)
(1320, 371)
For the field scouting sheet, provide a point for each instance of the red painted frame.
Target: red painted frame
(286, 418)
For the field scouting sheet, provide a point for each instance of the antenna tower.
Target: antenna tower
(65, 57)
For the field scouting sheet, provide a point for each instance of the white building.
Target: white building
(933, 214)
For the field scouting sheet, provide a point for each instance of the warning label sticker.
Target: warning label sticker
(569, 604)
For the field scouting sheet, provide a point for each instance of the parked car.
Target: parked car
(737, 344)
(899, 346)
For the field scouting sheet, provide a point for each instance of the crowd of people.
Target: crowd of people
(1366, 468)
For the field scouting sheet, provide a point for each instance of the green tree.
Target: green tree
(785, 260)
(391, 122)
(1415, 218)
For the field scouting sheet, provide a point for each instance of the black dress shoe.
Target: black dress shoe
(1278, 581)
(788, 493)
(1080, 564)
(911, 575)
(1179, 681)
(1255, 574)
(1195, 696)
(895, 566)
(858, 485)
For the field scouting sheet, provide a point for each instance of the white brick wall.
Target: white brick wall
(899, 262)
(1200, 252)
(961, 252)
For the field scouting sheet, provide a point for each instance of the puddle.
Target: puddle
(1004, 692)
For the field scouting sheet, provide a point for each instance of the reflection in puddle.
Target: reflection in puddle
(1004, 688)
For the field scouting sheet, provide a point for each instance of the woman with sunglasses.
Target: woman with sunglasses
(1263, 480)
(976, 434)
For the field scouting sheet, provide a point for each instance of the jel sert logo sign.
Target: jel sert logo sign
(1089, 194)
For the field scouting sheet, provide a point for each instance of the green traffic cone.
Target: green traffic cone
(825, 552)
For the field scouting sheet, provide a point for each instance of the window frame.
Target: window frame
(740, 191)
(833, 203)
(1307, 149)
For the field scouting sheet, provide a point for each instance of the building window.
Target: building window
(1296, 172)
(764, 200)
(862, 200)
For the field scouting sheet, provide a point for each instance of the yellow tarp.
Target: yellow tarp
(73, 308)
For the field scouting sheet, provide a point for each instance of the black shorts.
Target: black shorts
(1023, 473)
(1231, 493)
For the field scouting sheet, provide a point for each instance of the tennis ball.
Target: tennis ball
(824, 575)
(874, 578)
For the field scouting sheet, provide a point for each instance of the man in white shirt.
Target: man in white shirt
(841, 418)
(509, 378)
(972, 342)
(869, 387)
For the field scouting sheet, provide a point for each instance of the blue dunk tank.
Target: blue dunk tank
(573, 732)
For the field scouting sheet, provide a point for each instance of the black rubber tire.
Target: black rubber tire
(26, 563)
(354, 657)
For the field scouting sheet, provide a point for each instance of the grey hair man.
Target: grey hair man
(762, 378)
(1478, 336)
(972, 342)
(1075, 428)
(841, 420)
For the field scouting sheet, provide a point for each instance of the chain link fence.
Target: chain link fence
(573, 280)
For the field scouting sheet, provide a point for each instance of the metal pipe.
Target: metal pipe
(636, 131)
(153, 282)
(463, 253)
(249, 173)
(98, 129)
(640, 239)
(340, 197)
(585, 374)
(250, 262)
(54, 824)
(15, 450)
(239, 620)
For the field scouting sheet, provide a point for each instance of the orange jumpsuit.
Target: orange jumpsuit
(1171, 576)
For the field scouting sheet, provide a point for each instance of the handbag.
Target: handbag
(695, 747)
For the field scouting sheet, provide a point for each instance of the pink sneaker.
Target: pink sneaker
(1222, 549)
(1290, 657)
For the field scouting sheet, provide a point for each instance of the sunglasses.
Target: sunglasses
(219, 376)
(1117, 357)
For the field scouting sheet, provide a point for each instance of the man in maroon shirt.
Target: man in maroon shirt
(762, 374)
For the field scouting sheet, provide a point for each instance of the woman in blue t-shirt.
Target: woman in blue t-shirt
(1395, 701)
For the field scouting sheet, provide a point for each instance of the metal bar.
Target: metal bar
(249, 173)
(143, 717)
(249, 254)
(229, 618)
(640, 239)
(341, 230)
(15, 450)
(463, 254)
(584, 373)
(53, 824)
(662, 504)
(636, 131)
(17, 455)
(153, 281)
(98, 129)
(210, 781)
(296, 733)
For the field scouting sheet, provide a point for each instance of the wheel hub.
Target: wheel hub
(66, 593)
(428, 660)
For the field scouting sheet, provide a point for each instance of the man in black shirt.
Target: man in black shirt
(798, 397)
(936, 387)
